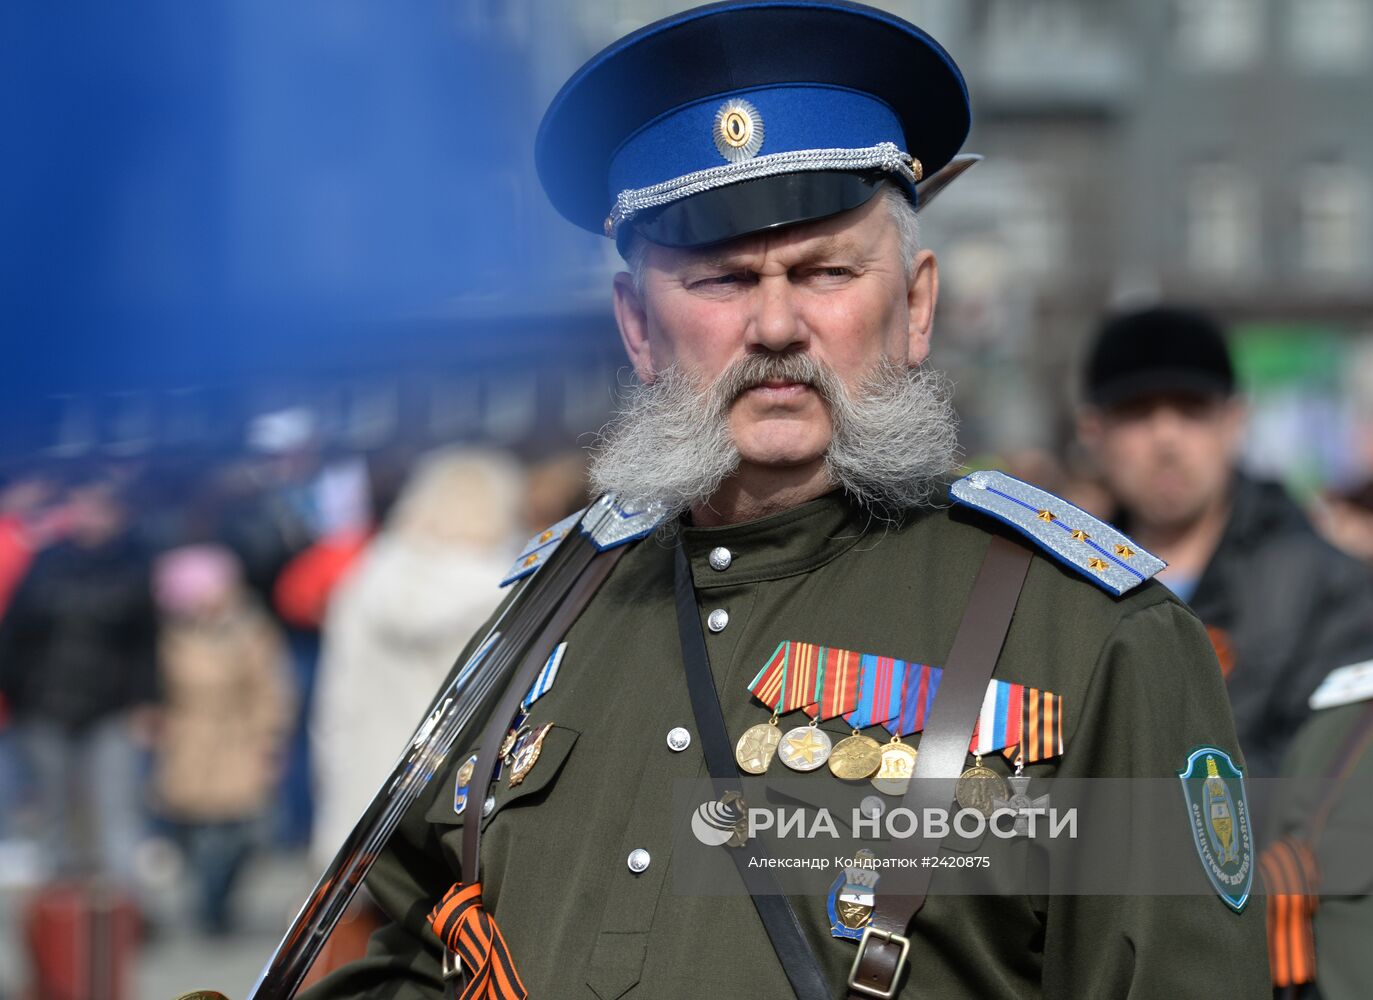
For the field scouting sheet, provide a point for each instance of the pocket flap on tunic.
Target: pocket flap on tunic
(552, 755)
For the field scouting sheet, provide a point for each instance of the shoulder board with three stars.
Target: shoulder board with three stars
(1106, 556)
(606, 522)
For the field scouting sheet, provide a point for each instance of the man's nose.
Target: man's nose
(1168, 426)
(775, 325)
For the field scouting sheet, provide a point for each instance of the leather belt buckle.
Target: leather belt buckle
(888, 938)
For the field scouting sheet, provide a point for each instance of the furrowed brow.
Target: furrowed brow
(827, 247)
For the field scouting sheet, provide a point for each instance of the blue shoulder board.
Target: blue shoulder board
(605, 522)
(1088, 544)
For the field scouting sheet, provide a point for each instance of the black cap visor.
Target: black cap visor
(752, 206)
(1142, 385)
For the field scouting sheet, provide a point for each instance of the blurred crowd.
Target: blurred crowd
(201, 659)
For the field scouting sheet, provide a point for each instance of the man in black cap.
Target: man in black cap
(1283, 607)
(816, 597)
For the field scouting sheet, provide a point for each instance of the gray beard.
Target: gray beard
(894, 438)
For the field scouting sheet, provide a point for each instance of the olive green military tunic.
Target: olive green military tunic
(1141, 688)
(1343, 923)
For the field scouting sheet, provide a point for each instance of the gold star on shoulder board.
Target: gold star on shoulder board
(1047, 515)
(1098, 565)
(1080, 536)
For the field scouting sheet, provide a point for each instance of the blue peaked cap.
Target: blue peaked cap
(741, 116)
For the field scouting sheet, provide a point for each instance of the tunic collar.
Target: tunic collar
(785, 544)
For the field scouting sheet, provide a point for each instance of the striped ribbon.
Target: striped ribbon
(767, 686)
(546, 677)
(1040, 715)
(800, 677)
(918, 691)
(1290, 879)
(880, 682)
(836, 683)
(468, 930)
(868, 690)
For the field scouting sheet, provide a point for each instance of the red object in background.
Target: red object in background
(16, 552)
(1225, 650)
(302, 590)
(82, 942)
(348, 940)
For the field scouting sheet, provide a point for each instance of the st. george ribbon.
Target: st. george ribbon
(548, 603)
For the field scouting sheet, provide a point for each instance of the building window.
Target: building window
(1326, 35)
(1219, 34)
(1336, 227)
(1222, 225)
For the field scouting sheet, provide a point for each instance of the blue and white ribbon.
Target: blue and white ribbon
(546, 677)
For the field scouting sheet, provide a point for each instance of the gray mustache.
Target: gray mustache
(758, 369)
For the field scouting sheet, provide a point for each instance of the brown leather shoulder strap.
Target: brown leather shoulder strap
(881, 958)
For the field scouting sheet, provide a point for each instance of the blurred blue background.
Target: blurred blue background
(273, 251)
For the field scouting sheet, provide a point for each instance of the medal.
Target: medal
(511, 739)
(805, 748)
(856, 757)
(894, 773)
(754, 751)
(978, 787)
(527, 755)
(853, 897)
(1020, 799)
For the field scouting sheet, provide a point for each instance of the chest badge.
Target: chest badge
(526, 754)
(463, 783)
(853, 897)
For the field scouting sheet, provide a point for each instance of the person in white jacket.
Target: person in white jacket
(425, 583)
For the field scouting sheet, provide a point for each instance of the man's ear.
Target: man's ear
(921, 294)
(632, 319)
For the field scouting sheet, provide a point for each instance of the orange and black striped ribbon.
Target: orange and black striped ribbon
(468, 930)
(1290, 880)
(1041, 727)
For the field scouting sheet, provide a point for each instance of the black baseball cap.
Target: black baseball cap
(1156, 351)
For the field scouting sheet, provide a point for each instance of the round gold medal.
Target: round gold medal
(856, 757)
(805, 748)
(894, 771)
(755, 749)
(978, 786)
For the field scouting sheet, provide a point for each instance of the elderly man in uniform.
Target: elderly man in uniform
(760, 166)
